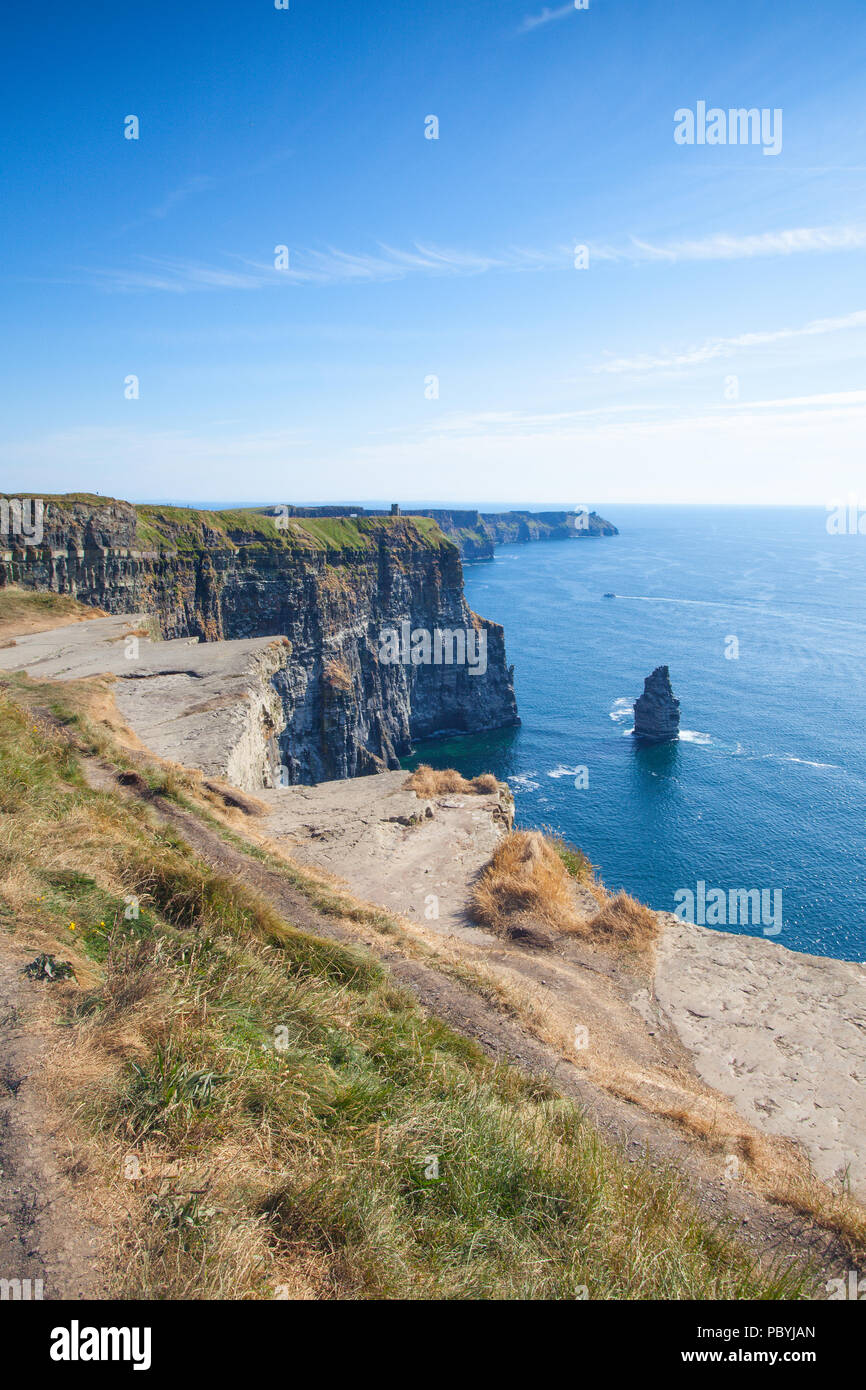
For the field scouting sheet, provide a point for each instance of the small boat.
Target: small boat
(610, 595)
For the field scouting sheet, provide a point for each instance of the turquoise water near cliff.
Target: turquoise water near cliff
(767, 787)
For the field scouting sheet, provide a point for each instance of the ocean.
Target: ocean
(761, 616)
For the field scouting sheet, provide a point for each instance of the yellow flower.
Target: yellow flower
(72, 926)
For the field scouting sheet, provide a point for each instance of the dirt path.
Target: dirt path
(773, 1231)
(44, 1237)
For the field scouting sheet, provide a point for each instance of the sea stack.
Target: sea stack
(656, 711)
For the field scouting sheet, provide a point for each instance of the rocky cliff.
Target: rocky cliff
(331, 586)
(502, 527)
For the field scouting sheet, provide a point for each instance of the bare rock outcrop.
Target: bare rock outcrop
(657, 711)
(780, 1032)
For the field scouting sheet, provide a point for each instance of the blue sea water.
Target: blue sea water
(767, 786)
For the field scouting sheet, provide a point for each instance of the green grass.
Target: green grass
(323, 1128)
(575, 861)
(429, 529)
(18, 604)
(86, 498)
(187, 529)
(181, 528)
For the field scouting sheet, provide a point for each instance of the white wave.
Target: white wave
(563, 771)
(623, 708)
(524, 783)
(691, 602)
(804, 762)
(691, 736)
(740, 751)
(808, 763)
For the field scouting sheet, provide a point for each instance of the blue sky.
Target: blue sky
(412, 258)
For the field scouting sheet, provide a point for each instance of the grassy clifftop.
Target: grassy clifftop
(25, 612)
(182, 528)
(157, 527)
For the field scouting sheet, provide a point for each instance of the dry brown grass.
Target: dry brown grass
(771, 1165)
(430, 781)
(622, 919)
(23, 611)
(337, 676)
(532, 879)
(525, 881)
(224, 796)
(146, 632)
(143, 1186)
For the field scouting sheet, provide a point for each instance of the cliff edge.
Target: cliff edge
(339, 590)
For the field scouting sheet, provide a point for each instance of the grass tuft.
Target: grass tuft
(429, 781)
(526, 881)
(623, 919)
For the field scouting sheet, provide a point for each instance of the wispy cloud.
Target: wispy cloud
(722, 246)
(714, 348)
(760, 451)
(172, 276)
(599, 421)
(174, 198)
(200, 184)
(514, 422)
(547, 16)
(327, 267)
(333, 266)
(827, 399)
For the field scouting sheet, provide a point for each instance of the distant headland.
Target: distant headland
(477, 533)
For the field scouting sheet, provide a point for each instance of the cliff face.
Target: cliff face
(478, 533)
(330, 586)
(545, 526)
(469, 532)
